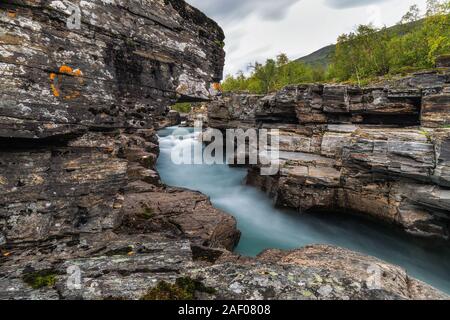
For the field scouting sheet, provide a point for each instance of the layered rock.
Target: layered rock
(197, 115)
(316, 273)
(83, 213)
(380, 151)
(127, 268)
(80, 106)
(79, 111)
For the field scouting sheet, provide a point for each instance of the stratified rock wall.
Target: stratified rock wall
(79, 106)
(83, 214)
(79, 110)
(382, 151)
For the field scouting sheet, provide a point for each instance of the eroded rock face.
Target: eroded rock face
(79, 106)
(109, 266)
(83, 213)
(79, 111)
(184, 213)
(313, 273)
(380, 151)
(126, 268)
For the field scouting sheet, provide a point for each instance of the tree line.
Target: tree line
(361, 56)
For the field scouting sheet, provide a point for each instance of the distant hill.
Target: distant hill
(322, 57)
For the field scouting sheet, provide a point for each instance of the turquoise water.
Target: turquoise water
(263, 226)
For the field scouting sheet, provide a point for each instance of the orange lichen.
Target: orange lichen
(11, 14)
(109, 149)
(56, 80)
(54, 90)
(77, 73)
(66, 69)
(74, 95)
(217, 86)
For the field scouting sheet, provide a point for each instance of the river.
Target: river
(263, 226)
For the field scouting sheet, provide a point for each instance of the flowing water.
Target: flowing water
(263, 226)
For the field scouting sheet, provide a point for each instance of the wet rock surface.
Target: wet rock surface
(83, 213)
(379, 151)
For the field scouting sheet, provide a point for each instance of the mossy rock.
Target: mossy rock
(183, 289)
(220, 44)
(147, 213)
(40, 279)
(182, 107)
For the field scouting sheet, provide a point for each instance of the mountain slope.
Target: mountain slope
(319, 58)
(323, 56)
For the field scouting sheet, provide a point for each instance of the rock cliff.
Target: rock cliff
(79, 111)
(381, 151)
(83, 214)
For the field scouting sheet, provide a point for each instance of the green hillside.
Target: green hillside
(363, 56)
(323, 57)
(319, 58)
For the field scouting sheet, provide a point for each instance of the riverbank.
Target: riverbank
(382, 152)
(265, 227)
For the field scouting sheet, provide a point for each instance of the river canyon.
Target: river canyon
(265, 227)
(91, 208)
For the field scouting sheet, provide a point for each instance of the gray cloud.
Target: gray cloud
(344, 4)
(228, 10)
(297, 30)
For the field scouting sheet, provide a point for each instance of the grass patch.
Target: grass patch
(220, 44)
(427, 134)
(183, 289)
(182, 107)
(40, 279)
(147, 213)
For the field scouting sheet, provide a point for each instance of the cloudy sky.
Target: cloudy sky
(259, 29)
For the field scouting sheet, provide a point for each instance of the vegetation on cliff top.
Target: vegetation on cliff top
(182, 107)
(183, 289)
(361, 56)
(40, 279)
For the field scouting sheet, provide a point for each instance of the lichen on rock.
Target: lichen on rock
(83, 213)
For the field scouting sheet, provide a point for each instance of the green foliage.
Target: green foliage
(273, 75)
(427, 134)
(371, 52)
(320, 58)
(182, 107)
(183, 289)
(361, 56)
(147, 213)
(220, 44)
(40, 279)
